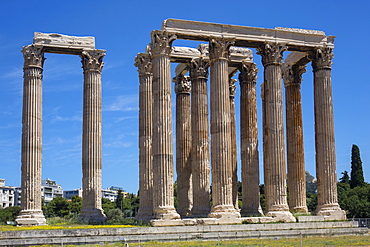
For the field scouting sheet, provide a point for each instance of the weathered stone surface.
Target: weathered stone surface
(145, 69)
(92, 63)
(31, 211)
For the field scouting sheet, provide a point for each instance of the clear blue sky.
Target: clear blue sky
(123, 29)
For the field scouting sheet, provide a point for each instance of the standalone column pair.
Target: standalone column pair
(31, 212)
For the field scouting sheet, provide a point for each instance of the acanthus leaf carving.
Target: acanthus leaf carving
(33, 56)
(182, 84)
(161, 43)
(293, 75)
(219, 48)
(322, 58)
(92, 60)
(248, 73)
(198, 68)
(144, 64)
(232, 87)
(272, 53)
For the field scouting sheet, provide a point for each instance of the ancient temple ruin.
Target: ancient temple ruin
(223, 52)
(92, 64)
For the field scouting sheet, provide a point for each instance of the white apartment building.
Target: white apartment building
(50, 189)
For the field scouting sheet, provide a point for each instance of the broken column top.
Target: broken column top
(65, 44)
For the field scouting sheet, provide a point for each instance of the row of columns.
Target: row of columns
(192, 155)
(31, 208)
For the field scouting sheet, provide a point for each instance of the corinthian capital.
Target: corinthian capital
(198, 69)
(248, 73)
(293, 75)
(182, 84)
(219, 49)
(232, 87)
(272, 53)
(321, 58)
(161, 43)
(92, 60)
(33, 56)
(144, 64)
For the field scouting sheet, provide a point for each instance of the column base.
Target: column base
(184, 212)
(284, 216)
(251, 211)
(92, 215)
(299, 210)
(165, 213)
(31, 218)
(224, 211)
(145, 214)
(331, 212)
(200, 212)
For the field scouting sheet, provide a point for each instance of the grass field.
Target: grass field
(288, 242)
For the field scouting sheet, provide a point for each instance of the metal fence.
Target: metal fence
(362, 222)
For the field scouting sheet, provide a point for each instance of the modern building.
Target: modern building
(50, 189)
(6, 195)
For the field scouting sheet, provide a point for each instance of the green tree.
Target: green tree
(59, 206)
(357, 174)
(107, 205)
(75, 204)
(119, 200)
(356, 202)
(9, 214)
(345, 178)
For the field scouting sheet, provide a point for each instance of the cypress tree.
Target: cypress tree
(357, 174)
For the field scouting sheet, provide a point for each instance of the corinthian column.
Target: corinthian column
(144, 65)
(199, 131)
(92, 64)
(324, 134)
(183, 145)
(273, 133)
(163, 203)
(233, 163)
(294, 135)
(31, 212)
(249, 141)
(221, 149)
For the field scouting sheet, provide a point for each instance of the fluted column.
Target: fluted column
(221, 149)
(183, 145)
(273, 132)
(249, 141)
(92, 64)
(31, 212)
(144, 64)
(294, 136)
(324, 135)
(200, 141)
(233, 163)
(162, 127)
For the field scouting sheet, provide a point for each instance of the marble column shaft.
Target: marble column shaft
(31, 208)
(144, 64)
(324, 131)
(183, 145)
(273, 129)
(92, 64)
(221, 149)
(294, 135)
(200, 138)
(233, 163)
(249, 141)
(163, 200)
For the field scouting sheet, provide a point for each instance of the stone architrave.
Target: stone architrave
(144, 64)
(163, 174)
(31, 211)
(221, 149)
(92, 64)
(183, 145)
(233, 163)
(294, 136)
(324, 136)
(273, 133)
(249, 141)
(200, 141)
